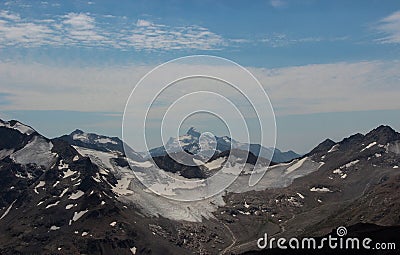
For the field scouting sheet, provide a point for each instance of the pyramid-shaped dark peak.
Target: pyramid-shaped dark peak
(383, 134)
(322, 147)
(327, 142)
(193, 132)
(382, 129)
(77, 131)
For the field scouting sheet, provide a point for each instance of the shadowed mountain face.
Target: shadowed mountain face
(55, 201)
(190, 143)
(78, 195)
(202, 169)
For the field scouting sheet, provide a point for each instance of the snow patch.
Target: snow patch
(368, 146)
(8, 210)
(395, 166)
(215, 164)
(40, 184)
(122, 187)
(81, 137)
(54, 227)
(56, 183)
(337, 171)
(348, 165)
(334, 148)
(352, 163)
(70, 206)
(69, 173)
(133, 250)
(76, 195)
(63, 192)
(62, 165)
(51, 205)
(300, 195)
(19, 175)
(112, 224)
(244, 213)
(77, 216)
(323, 189)
(105, 140)
(97, 177)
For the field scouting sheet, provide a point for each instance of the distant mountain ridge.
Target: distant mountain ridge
(190, 143)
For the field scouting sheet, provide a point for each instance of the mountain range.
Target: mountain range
(190, 142)
(79, 194)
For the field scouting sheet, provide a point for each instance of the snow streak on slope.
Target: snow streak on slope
(296, 165)
(8, 210)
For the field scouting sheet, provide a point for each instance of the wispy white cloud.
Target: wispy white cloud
(26, 34)
(9, 16)
(82, 29)
(389, 27)
(282, 40)
(149, 36)
(277, 3)
(108, 31)
(143, 23)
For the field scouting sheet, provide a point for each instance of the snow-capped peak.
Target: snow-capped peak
(13, 124)
(195, 141)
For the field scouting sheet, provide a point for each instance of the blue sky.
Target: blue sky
(330, 68)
